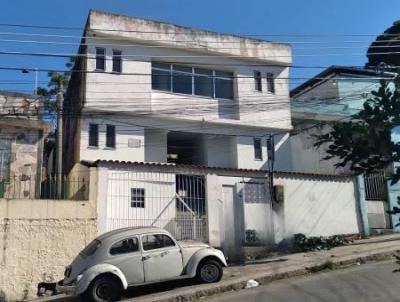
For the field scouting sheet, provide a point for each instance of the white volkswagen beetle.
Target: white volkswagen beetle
(137, 256)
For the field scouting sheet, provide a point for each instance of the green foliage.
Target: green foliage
(308, 244)
(328, 265)
(56, 80)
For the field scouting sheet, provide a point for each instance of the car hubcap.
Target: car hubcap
(209, 273)
(104, 291)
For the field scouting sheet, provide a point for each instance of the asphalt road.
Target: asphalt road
(370, 282)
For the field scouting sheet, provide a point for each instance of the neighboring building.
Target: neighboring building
(334, 95)
(157, 92)
(21, 144)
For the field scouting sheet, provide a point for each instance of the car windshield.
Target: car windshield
(91, 248)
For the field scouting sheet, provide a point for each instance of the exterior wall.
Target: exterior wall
(323, 91)
(131, 91)
(38, 238)
(221, 151)
(25, 160)
(319, 206)
(245, 154)
(124, 130)
(155, 145)
(305, 158)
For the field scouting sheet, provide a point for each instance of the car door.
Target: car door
(125, 254)
(162, 257)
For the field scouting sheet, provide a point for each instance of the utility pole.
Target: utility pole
(60, 101)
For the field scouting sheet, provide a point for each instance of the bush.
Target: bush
(304, 244)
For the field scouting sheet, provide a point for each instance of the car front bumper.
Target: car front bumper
(65, 289)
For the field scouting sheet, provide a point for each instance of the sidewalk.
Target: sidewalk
(286, 266)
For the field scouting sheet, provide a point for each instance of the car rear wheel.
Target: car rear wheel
(105, 289)
(209, 271)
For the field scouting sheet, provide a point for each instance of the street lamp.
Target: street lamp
(36, 78)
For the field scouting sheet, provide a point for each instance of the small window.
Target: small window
(93, 135)
(257, 149)
(91, 248)
(125, 246)
(137, 198)
(257, 80)
(100, 58)
(156, 241)
(110, 136)
(270, 82)
(117, 61)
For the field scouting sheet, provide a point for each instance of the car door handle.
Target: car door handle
(164, 253)
(145, 257)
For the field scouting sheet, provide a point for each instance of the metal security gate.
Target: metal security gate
(376, 195)
(167, 200)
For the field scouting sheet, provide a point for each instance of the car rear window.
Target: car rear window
(91, 248)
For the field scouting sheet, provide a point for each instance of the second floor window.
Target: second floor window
(117, 61)
(110, 136)
(93, 135)
(270, 82)
(257, 80)
(257, 149)
(192, 80)
(100, 58)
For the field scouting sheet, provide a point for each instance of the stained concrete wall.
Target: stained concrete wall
(38, 238)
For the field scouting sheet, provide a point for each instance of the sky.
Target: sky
(326, 22)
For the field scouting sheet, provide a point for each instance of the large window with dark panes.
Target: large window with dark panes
(192, 80)
(110, 136)
(270, 82)
(93, 135)
(117, 60)
(100, 58)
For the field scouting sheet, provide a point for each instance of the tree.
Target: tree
(364, 144)
(56, 79)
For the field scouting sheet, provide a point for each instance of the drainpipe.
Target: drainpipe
(362, 202)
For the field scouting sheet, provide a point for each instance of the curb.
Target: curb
(208, 290)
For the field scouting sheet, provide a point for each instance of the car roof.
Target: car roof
(130, 231)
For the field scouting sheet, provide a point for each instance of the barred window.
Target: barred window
(254, 193)
(137, 198)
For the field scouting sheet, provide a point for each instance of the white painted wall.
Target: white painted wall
(245, 154)
(133, 93)
(124, 132)
(319, 207)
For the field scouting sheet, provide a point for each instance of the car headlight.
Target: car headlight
(79, 277)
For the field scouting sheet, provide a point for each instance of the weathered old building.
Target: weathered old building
(22, 134)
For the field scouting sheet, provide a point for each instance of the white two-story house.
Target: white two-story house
(146, 92)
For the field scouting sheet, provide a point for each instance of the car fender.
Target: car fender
(191, 267)
(90, 274)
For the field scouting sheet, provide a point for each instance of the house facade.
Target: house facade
(22, 136)
(157, 92)
(335, 95)
(172, 125)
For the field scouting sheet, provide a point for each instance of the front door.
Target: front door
(125, 254)
(228, 217)
(162, 258)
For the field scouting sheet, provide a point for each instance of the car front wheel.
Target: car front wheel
(105, 289)
(209, 271)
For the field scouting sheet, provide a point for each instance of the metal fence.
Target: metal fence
(27, 187)
(376, 186)
(167, 200)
